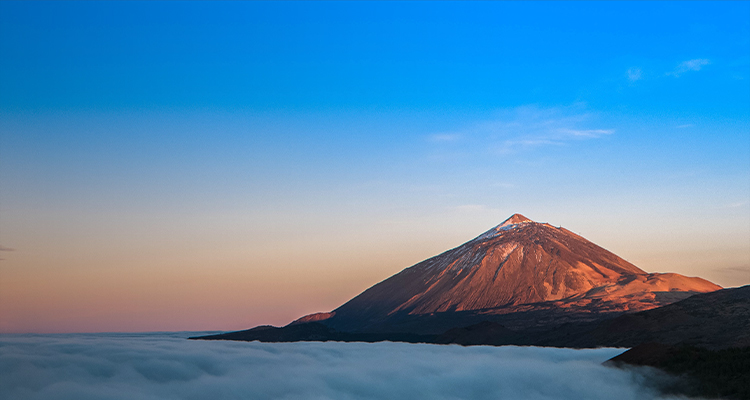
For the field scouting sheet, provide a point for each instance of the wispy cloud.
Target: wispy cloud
(587, 133)
(689, 65)
(444, 137)
(471, 208)
(530, 127)
(634, 74)
(2, 248)
(738, 204)
(741, 268)
(738, 274)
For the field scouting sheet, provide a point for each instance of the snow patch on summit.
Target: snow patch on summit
(496, 231)
(515, 221)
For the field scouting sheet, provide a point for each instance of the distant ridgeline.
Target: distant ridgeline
(529, 283)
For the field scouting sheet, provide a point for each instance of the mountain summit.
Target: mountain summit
(520, 267)
(515, 219)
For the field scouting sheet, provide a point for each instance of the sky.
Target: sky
(216, 166)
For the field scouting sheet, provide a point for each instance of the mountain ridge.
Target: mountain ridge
(525, 276)
(517, 265)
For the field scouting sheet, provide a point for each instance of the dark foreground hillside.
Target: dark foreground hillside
(716, 320)
(707, 373)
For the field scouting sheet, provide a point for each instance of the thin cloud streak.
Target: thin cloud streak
(689, 65)
(472, 208)
(589, 133)
(738, 204)
(529, 127)
(444, 137)
(740, 273)
(2, 248)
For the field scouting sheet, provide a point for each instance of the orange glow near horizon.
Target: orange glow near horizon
(157, 293)
(235, 284)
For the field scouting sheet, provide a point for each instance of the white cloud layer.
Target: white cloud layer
(166, 366)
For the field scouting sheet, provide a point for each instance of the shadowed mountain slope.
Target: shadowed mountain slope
(696, 371)
(714, 320)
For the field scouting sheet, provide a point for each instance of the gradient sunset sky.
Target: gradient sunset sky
(201, 166)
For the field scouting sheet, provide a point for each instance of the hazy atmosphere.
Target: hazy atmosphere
(217, 166)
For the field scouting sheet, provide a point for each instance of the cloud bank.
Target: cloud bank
(166, 366)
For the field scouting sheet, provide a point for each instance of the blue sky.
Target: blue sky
(143, 136)
(354, 56)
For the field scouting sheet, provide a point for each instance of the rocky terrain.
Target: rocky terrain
(692, 371)
(519, 266)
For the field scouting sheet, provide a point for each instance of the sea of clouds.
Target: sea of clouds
(166, 366)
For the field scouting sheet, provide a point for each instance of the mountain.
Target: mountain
(521, 282)
(519, 266)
